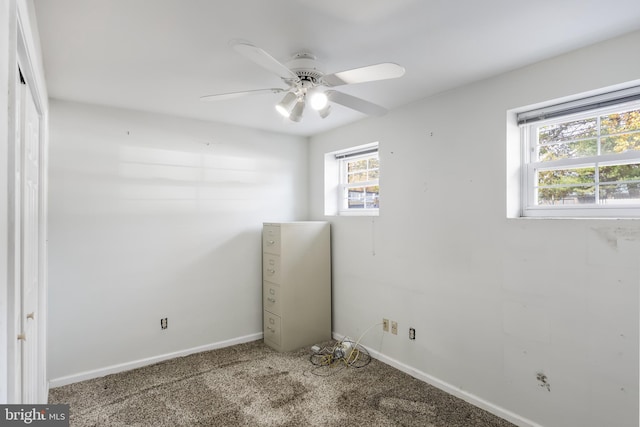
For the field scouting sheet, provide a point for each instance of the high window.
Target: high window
(359, 185)
(352, 181)
(583, 158)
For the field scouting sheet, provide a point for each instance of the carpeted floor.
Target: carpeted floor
(252, 385)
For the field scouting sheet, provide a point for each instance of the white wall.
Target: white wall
(151, 217)
(494, 300)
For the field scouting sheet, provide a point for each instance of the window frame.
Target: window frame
(344, 185)
(332, 187)
(529, 168)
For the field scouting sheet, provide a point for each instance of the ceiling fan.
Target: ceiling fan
(307, 84)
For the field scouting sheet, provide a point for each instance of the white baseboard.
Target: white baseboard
(114, 369)
(453, 390)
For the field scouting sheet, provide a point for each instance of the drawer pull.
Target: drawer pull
(271, 242)
(273, 330)
(272, 291)
(273, 300)
(270, 270)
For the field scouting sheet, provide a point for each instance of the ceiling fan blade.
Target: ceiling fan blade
(370, 73)
(232, 95)
(356, 103)
(265, 60)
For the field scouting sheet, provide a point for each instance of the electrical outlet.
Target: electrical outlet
(394, 328)
(412, 334)
(164, 323)
(385, 325)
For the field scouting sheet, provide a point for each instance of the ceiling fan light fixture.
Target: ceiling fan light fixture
(285, 106)
(318, 100)
(324, 112)
(296, 113)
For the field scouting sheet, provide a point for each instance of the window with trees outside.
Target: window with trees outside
(583, 159)
(359, 180)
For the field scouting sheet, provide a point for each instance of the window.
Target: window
(359, 173)
(352, 181)
(583, 158)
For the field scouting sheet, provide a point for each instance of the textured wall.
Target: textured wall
(534, 317)
(153, 217)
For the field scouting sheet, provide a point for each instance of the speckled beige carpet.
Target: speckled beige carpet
(252, 385)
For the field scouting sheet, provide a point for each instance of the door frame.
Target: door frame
(29, 57)
(22, 38)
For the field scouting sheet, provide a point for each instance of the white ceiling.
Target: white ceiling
(162, 55)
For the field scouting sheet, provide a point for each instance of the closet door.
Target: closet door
(23, 377)
(30, 244)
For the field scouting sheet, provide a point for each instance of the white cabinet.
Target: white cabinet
(296, 284)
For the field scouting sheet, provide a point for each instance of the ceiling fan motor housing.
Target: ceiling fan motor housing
(308, 78)
(306, 67)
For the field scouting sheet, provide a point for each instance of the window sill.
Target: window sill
(612, 212)
(361, 212)
(573, 218)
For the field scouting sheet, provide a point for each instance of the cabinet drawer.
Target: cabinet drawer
(272, 328)
(271, 298)
(271, 268)
(271, 239)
